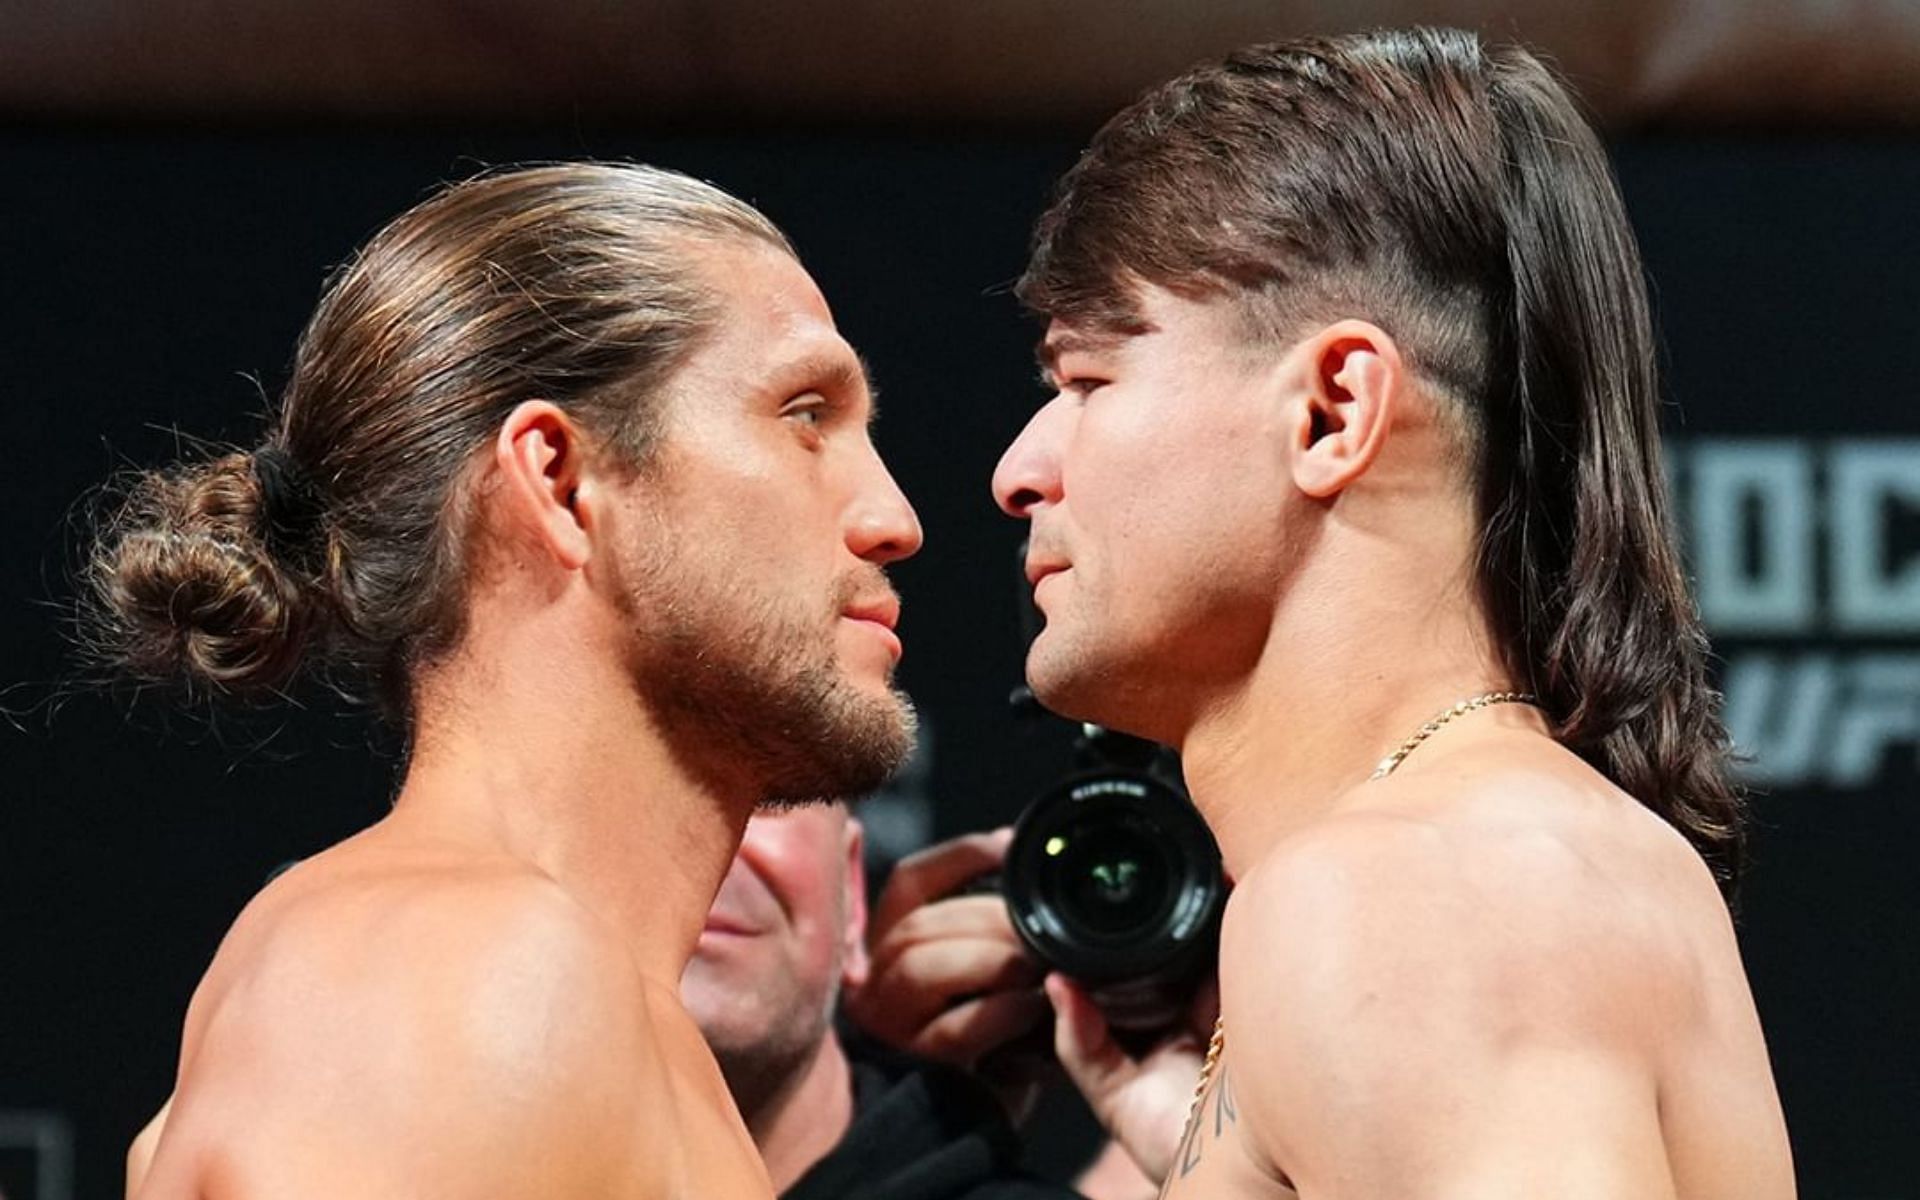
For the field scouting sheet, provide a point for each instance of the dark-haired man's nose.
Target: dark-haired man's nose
(1029, 472)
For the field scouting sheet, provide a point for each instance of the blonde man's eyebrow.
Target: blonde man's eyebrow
(822, 372)
(865, 378)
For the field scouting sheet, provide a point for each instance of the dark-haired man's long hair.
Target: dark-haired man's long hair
(1453, 194)
(1578, 567)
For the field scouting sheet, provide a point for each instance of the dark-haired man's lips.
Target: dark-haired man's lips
(1039, 570)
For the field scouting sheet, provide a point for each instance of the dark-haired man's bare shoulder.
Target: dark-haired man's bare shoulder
(1491, 975)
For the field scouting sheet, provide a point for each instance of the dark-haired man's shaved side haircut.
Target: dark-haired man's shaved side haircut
(1452, 193)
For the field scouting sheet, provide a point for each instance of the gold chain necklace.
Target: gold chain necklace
(1217, 1043)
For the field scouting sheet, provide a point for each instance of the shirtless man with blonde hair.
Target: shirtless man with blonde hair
(1350, 490)
(575, 467)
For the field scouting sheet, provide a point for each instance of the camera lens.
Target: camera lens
(1113, 879)
(1108, 878)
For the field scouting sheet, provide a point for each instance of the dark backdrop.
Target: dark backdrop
(154, 284)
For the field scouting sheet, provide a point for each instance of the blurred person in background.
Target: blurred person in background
(785, 937)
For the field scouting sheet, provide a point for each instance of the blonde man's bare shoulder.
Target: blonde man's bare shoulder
(451, 1019)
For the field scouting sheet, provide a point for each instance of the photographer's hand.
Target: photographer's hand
(950, 980)
(1140, 1100)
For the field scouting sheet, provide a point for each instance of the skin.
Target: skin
(950, 979)
(479, 995)
(784, 936)
(1491, 974)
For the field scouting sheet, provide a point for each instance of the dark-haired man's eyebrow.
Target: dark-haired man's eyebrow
(1061, 342)
(1043, 361)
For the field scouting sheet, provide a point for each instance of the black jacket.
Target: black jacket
(921, 1132)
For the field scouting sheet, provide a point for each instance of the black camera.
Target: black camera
(1114, 880)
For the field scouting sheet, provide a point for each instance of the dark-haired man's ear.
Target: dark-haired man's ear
(540, 459)
(1350, 384)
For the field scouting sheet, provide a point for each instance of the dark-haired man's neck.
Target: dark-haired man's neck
(1367, 645)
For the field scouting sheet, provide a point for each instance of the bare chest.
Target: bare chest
(1213, 1159)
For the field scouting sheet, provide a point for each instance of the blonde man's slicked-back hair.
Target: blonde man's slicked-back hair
(342, 538)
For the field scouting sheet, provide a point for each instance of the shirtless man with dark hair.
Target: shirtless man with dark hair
(1350, 490)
